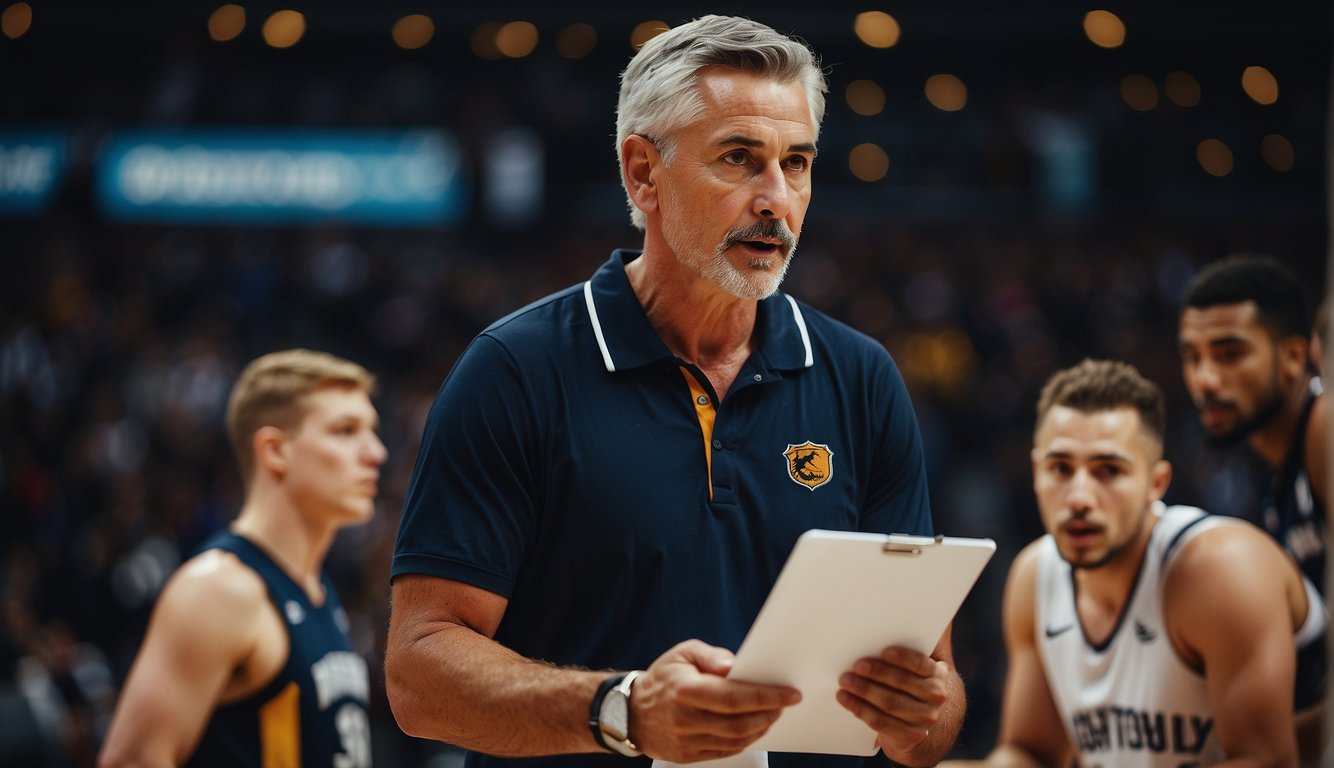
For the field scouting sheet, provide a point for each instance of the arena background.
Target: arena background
(1045, 204)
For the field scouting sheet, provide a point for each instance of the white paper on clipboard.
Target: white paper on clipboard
(842, 596)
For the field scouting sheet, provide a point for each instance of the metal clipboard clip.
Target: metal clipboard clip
(911, 548)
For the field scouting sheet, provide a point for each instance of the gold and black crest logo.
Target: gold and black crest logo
(809, 464)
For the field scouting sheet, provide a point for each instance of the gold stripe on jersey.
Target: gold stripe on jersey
(706, 413)
(280, 729)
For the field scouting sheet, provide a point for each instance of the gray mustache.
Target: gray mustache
(772, 229)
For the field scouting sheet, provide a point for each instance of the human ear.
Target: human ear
(1160, 477)
(1293, 354)
(639, 158)
(269, 444)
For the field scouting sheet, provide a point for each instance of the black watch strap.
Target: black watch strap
(595, 709)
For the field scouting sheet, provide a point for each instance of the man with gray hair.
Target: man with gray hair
(611, 478)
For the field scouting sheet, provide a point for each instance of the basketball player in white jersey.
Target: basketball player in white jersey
(1140, 634)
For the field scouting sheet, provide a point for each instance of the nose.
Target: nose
(1081, 497)
(374, 451)
(1202, 377)
(771, 193)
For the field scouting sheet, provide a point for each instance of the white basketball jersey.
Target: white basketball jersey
(1130, 701)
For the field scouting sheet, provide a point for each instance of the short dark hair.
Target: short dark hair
(1105, 385)
(1280, 300)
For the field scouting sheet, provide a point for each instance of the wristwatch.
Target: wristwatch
(609, 716)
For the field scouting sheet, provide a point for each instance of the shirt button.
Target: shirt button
(717, 445)
(702, 399)
(758, 377)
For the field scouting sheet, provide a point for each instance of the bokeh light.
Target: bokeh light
(413, 31)
(1278, 153)
(876, 29)
(16, 20)
(646, 31)
(946, 92)
(576, 40)
(284, 29)
(516, 39)
(1104, 29)
(1215, 157)
(865, 97)
(226, 23)
(1260, 84)
(1139, 92)
(868, 162)
(1182, 89)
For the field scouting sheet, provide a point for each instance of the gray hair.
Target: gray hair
(658, 94)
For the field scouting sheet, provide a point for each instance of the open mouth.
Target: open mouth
(1081, 533)
(761, 246)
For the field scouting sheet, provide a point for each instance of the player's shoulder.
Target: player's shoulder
(1229, 548)
(1027, 559)
(1023, 576)
(215, 582)
(1021, 587)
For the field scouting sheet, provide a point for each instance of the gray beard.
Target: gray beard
(733, 280)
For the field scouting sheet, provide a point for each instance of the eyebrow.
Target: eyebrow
(1231, 340)
(738, 139)
(1113, 457)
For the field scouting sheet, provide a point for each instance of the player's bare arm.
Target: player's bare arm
(210, 639)
(1243, 645)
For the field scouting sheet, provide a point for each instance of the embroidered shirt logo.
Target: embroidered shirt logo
(809, 464)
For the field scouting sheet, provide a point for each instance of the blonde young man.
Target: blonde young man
(1140, 634)
(246, 661)
(611, 478)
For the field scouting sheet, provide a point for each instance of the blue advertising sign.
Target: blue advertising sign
(391, 178)
(32, 166)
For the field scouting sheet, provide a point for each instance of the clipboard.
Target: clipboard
(842, 596)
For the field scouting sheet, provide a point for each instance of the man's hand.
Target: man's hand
(684, 709)
(902, 694)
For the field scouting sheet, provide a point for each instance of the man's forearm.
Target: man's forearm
(457, 686)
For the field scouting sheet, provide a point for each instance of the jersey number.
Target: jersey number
(354, 730)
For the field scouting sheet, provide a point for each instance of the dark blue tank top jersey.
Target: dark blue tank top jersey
(572, 464)
(1294, 515)
(313, 713)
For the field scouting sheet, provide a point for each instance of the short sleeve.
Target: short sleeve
(470, 508)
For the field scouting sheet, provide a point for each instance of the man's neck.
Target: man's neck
(288, 537)
(697, 320)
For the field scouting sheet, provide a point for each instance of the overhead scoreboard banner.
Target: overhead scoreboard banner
(386, 178)
(32, 169)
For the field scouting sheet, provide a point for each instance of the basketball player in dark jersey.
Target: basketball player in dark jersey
(246, 661)
(1246, 359)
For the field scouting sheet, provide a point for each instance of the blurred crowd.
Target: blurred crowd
(119, 342)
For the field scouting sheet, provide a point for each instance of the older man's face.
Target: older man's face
(735, 194)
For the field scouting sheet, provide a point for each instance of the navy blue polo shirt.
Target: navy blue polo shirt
(572, 464)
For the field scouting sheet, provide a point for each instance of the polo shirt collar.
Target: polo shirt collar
(627, 339)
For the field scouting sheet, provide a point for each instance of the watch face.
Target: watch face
(615, 720)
